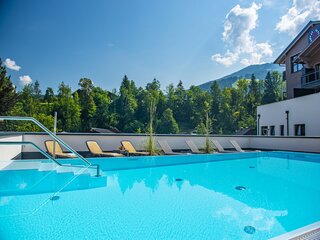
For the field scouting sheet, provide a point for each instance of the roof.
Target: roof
(104, 130)
(245, 131)
(280, 59)
(311, 50)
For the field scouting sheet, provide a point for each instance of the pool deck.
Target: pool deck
(309, 232)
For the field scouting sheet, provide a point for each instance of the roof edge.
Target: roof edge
(279, 59)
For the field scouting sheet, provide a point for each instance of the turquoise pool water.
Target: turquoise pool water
(220, 196)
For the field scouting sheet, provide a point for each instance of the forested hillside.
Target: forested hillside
(259, 71)
(130, 109)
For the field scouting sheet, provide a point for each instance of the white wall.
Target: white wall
(8, 152)
(301, 144)
(302, 110)
(112, 142)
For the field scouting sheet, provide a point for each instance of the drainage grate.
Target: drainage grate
(312, 235)
(249, 229)
(179, 179)
(54, 198)
(240, 188)
(252, 167)
(309, 232)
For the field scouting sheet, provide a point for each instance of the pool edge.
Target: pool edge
(309, 232)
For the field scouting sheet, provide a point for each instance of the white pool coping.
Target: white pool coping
(309, 232)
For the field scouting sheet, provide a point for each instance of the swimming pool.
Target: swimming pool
(218, 196)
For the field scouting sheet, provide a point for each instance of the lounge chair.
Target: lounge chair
(238, 148)
(219, 148)
(129, 148)
(167, 149)
(58, 150)
(95, 150)
(193, 147)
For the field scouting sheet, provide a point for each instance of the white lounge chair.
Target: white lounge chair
(193, 147)
(167, 149)
(238, 148)
(219, 148)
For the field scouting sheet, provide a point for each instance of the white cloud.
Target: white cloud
(300, 12)
(25, 80)
(260, 50)
(11, 64)
(228, 59)
(237, 35)
(268, 3)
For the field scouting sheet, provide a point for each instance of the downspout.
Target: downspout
(258, 124)
(287, 117)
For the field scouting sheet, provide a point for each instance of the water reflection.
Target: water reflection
(271, 190)
(29, 182)
(193, 201)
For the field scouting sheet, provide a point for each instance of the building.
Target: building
(302, 62)
(299, 115)
(292, 117)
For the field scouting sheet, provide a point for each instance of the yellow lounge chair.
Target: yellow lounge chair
(58, 150)
(95, 150)
(129, 148)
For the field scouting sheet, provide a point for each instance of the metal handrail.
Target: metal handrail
(44, 128)
(35, 146)
(49, 156)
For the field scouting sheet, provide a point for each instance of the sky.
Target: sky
(190, 40)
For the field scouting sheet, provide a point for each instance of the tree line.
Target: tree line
(135, 109)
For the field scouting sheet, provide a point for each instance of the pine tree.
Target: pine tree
(68, 109)
(167, 123)
(36, 90)
(8, 95)
(76, 112)
(49, 95)
(127, 104)
(102, 101)
(88, 107)
(28, 101)
(215, 93)
(273, 86)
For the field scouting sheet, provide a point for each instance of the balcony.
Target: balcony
(311, 79)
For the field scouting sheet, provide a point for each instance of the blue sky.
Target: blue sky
(190, 40)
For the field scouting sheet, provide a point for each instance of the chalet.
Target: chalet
(302, 62)
(299, 115)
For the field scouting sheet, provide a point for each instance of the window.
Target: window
(264, 130)
(295, 67)
(299, 129)
(281, 133)
(272, 132)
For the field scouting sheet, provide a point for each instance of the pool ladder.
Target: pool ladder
(57, 139)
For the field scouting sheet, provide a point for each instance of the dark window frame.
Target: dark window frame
(295, 67)
(272, 130)
(281, 130)
(301, 127)
(264, 130)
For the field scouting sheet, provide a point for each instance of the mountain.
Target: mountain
(260, 71)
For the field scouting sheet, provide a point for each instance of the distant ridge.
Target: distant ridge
(260, 71)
